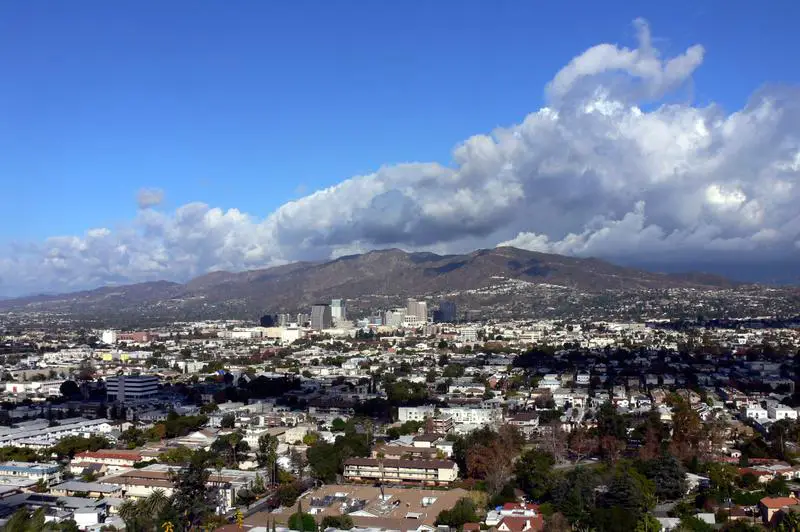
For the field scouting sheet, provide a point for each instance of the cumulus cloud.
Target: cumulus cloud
(149, 197)
(642, 67)
(590, 174)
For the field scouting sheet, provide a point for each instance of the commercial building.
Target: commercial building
(416, 311)
(321, 317)
(394, 317)
(436, 472)
(446, 313)
(109, 337)
(131, 387)
(338, 309)
(370, 507)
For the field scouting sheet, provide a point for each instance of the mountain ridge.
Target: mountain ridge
(376, 277)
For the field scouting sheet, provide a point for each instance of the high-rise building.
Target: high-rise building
(446, 313)
(321, 317)
(338, 309)
(417, 310)
(394, 317)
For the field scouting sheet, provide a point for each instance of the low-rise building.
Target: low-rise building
(49, 473)
(437, 472)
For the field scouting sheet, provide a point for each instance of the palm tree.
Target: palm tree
(790, 522)
(155, 503)
(128, 511)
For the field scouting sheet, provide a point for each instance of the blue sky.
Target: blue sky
(251, 104)
(679, 141)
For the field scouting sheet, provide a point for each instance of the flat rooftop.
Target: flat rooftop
(401, 509)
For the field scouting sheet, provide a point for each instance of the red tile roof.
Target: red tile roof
(519, 524)
(119, 454)
(778, 502)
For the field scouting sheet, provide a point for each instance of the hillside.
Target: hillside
(376, 279)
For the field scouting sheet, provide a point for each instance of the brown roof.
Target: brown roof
(518, 524)
(778, 502)
(389, 462)
(120, 454)
(428, 437)
(387, 516)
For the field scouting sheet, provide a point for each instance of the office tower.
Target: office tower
(394, 317)
(338, 309)
(418, 310)
(321, 317)
(131, 387)
(446, 312)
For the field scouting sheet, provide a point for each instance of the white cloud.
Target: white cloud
(149, 197)
(592, 173)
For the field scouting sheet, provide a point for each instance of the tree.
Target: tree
(534, 473)
(190, 498)
(342, 522)
(227, 421)
(324, 459)
(302, 521)
(463, 511)
(40, 486)
(180, 455)
(288, 493)
(574, 495)
(338, 425)
(129, 513)
(687, 431)
(611, 423)
(582, 444)
(230, 448)
(695, 524)
(628, 498)
(267, 454)
(553, 439)
(648, 523)
(453, 371)
(669, 477)
(611, 448)
(209, 408)
(155, 503)
(69, 389)
(777, 487)
(789, 522)
(86, 370)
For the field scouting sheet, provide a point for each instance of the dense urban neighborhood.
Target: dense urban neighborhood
(407, 419)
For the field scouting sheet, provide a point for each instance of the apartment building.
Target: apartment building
(458, 415)
(435, 472)
(33, 471)
(46, 436)
(114, 460)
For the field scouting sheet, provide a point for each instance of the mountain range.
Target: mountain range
(377, 279)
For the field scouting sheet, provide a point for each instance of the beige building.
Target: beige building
(401, 471)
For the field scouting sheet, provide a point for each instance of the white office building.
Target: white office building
(131, 387)
(338, 310)
(109, 337)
